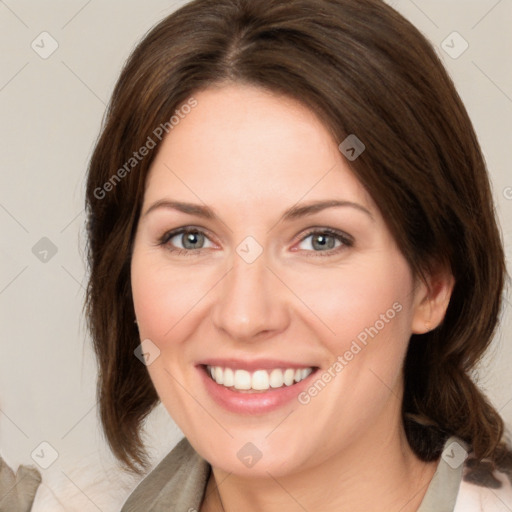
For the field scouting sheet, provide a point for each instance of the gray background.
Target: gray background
(51, 111)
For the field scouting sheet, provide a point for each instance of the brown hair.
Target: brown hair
(364, 70)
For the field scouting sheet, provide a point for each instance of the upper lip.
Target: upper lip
(254, 364)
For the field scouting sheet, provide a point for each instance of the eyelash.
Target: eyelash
(346, 240)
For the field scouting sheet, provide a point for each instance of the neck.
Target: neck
(378, 471)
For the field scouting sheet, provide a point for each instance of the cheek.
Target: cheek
(164, 296)
(164, 299)
(368, 313)
(370, 299)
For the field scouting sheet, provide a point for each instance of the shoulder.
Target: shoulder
(461, 483)
(479, 498)
(484, 489)
(17, 490)
(176, 483)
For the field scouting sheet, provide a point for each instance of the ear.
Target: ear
(432, 297)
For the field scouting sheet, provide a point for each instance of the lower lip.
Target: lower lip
(259, 402)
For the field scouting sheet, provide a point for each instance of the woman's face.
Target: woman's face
(244, 266)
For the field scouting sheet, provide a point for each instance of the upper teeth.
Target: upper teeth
(259, 380)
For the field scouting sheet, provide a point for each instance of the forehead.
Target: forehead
(245, 146)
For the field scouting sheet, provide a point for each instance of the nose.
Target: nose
(251, 302)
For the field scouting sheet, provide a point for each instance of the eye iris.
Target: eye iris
(323, 242)
(192, 238)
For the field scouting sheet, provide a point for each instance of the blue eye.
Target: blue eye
(192, 241)
(326, 241)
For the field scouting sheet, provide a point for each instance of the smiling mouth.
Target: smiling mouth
(258, 381)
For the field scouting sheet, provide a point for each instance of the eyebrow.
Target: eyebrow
(295, 212)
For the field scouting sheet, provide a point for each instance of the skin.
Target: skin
(250, 155)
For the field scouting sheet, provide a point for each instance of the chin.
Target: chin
(256, 458)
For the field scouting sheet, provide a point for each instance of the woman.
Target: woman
(291, 226)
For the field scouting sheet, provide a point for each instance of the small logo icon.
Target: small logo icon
(147, 352)
(454, 45)
(249, 455)
(44, 45)
(249, 250)
(44, 455)
(44, 250)
(454, 455)
(352, 147)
